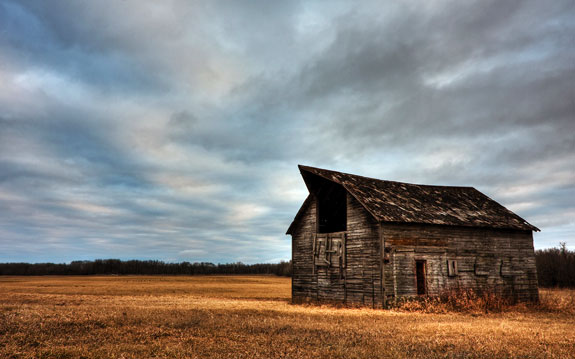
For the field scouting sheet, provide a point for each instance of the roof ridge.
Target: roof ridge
(381, 180)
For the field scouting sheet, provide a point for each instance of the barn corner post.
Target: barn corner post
(382, 265)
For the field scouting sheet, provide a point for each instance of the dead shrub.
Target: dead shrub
(456, 300)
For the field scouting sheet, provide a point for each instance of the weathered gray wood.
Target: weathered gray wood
(486, 259)
(371, 262)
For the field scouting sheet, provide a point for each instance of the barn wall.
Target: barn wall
(304, 279)
(359, 282)
(498, 260)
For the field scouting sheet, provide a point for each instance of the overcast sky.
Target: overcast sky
(172, 130)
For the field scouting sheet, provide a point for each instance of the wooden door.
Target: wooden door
(420, 277)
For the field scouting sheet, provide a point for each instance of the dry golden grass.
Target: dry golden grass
(251, 317)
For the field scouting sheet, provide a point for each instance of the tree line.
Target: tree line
(556, 267)
(143, 267)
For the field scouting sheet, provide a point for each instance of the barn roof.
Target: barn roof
(398, 202)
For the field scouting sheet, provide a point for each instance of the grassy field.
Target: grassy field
(251, 317)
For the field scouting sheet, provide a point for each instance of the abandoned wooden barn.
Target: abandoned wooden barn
(364, 241)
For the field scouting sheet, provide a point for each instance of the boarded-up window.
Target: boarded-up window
(329, 250)
(319, 252)
(484, 265)
(452, 267)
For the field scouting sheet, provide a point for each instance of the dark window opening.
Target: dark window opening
(331, 209)
(331, 203)
(420, 277)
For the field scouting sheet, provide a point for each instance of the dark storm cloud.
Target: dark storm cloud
(42, 35)
(365, 65)
(172, 130)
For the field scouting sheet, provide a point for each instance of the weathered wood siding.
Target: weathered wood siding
(304, 280)
(363, 279)
(487, 259)
(359, 282)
